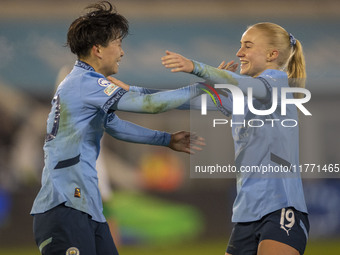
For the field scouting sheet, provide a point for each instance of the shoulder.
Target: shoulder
(94, 82)
(274, 74)
(94, 77)
(86, 82)
(275, 78)
(84, 76)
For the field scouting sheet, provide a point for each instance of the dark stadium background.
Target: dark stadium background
(186, 215)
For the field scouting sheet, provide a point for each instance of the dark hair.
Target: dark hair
(99, 26)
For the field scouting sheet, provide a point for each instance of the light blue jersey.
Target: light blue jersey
(272, 144)
(82, 109)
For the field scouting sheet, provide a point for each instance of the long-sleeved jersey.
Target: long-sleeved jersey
(270, 145)
(83, 108)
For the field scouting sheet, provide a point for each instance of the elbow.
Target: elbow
(153, 109)
(153, 105)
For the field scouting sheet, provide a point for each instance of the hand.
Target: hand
(177, 63)
(184, 141)
(118, 83)
(230, 66)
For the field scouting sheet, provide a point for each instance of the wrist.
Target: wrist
(168, 138)
(135, 89)
(193, 70)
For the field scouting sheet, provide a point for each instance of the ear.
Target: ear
(272, 55)
(96, 51)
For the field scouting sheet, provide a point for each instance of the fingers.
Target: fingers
(192, 149)
(176, 62)
(174, 65)
(221, 66)
(170, 56)
(230, 66)
(172, 61)
(118, 83)
(230, 63)
(197, 140)
(225, 66)
(167, 52)
(233, 68)
(186, 142)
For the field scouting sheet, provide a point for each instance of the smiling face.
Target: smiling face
(254, 53)
(110, 57)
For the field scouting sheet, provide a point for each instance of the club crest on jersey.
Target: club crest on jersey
(77, 192)
(72, 251)
(103, 82)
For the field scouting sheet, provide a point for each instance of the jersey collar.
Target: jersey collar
(84, 65)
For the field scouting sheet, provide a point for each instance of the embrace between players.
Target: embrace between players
(269, 213)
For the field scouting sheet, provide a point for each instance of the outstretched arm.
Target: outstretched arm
(132, 103)
(157, 102)
(131, 88)
(124, 130)
(144, 100)
(179, 63)
(194, 103)
(230, 66)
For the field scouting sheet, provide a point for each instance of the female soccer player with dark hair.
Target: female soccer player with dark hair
(68, 217)
(270, 210)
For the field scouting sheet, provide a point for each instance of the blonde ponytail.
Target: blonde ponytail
(296, 68)
(291, 58)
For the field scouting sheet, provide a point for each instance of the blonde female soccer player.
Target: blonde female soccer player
(269, 211)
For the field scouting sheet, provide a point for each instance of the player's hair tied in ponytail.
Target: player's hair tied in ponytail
(292, 40)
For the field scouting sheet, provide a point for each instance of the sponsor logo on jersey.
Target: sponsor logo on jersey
(110, 89)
